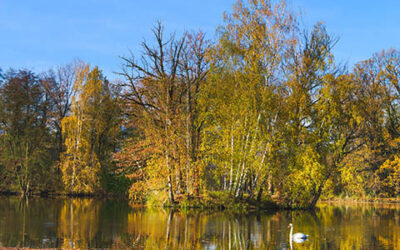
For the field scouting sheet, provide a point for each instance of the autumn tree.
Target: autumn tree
(160, 92)
(377, 80)
(59, 87)
(90, 132)
(270, 90)
(244, 93)
(25, 143)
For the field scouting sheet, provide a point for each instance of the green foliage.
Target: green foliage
(26, 149)
(115, 184)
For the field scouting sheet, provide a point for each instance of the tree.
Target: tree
(25, 143)
(306, 144)
(160, 93)
(244, 93)
(58, 87)
(90, 132)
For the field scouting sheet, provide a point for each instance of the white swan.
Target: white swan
(297, 237)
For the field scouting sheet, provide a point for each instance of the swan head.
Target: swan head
(290, 225)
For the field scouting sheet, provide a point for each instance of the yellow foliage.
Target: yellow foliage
(389, 176)
(88, 122)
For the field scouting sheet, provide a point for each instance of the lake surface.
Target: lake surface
(90, 223)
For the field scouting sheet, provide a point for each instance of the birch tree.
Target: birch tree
(90, 132)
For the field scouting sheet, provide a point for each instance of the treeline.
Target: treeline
(263, 113)
(58, 130)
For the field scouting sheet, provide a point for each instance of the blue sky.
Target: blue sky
(42, 34)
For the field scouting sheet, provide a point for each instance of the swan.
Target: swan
(297, 237)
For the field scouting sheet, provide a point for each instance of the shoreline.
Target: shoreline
(241, 205)
(55, 194)
(382, 201)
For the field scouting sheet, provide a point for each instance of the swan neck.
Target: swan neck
(291, 231)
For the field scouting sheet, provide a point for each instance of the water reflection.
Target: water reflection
(90, 223)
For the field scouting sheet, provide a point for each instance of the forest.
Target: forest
(260, 114)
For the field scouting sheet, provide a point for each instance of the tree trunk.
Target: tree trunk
(231, 172)
(261, 190)
(241, 182)
(242, 165)
(26, 174)
(188, 112)
(316, 196)
(270, 184)
(259, 195)
(319, 192)
(170, 190)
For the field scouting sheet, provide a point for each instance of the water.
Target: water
(90, 223)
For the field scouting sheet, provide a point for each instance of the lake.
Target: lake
(90, 223)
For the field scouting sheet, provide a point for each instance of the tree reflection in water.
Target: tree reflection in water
(90, 223)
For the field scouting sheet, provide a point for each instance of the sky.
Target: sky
(42, 34)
